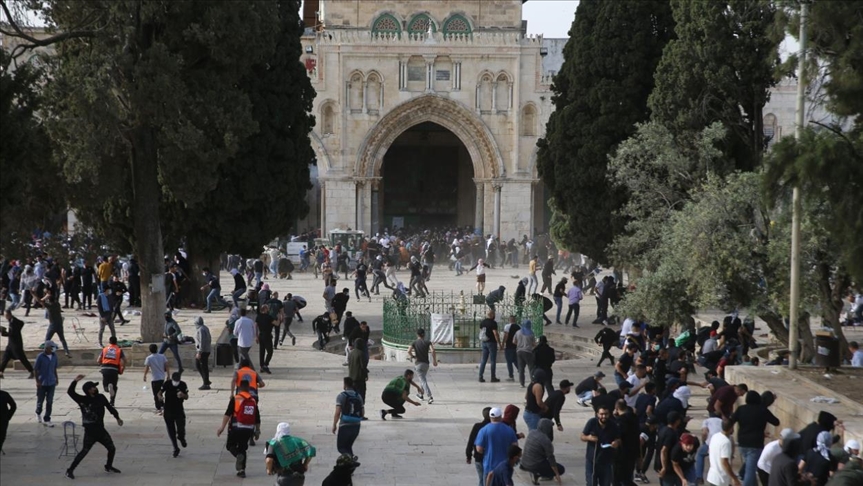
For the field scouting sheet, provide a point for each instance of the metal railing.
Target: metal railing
(403, 317)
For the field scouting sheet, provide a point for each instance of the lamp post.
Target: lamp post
(795, 198)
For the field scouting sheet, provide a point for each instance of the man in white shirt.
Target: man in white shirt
(720, 473)
(711, 344)
(626, 329)
(709, 428)
(246, 331)
(638, 380)
(856, 354)
(771, 450)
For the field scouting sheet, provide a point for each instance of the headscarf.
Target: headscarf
(823, 443)
(526, 327)
(510, 415)
(199, 321)
(282, 430)
(524, 281)
(234, 271)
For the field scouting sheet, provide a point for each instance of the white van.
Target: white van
(293, 251)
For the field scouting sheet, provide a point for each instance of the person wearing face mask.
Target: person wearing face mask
(93, 405)
(173, 394)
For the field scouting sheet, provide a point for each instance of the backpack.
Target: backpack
(353, 405)
(483, 335)
(245, 414)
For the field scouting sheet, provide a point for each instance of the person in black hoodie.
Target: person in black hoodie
(543, 358)
(606, 337)
(826, 421)
(751, 419)
(783, 470)
(93, 405)
(470, 451)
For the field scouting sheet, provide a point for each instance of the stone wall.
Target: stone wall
(793, 405)
(499, 14)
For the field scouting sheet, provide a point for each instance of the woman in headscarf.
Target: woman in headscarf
(510, 416)
(538, 457)
(818, 463)
(288, 457)
(525, 341)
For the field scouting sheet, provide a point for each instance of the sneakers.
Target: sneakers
(39, 417)
(534, 478)
(481, 379)
(383, 414)
(397, 416)
(420, 396)
(183, 443)
(495, 380)
(581, 402)
(431, 400)
(70, 474)
(241, 474)
(204, 387)
(344, 364)
(47, 423)
(176, 452)
(294, 340)
(111, 469)
(510, 379)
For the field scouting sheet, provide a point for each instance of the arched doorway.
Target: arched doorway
(426, 180)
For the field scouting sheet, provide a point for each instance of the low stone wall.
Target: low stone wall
(399, 353)
(134, 356)
(793, 405)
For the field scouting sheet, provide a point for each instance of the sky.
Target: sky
(551, 18)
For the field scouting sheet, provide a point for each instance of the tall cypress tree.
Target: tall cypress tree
(600, 94)
(720, 68)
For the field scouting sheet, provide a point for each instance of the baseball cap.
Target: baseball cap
(89, 384)
(672, 382)
(599, 374)
(565, 384)
(495, 413)
(51, 344)
(789, 434)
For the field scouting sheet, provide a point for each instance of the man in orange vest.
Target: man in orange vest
(113, 362)
(247, 372)
(245, 419)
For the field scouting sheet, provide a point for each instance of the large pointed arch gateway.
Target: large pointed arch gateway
(455, 117)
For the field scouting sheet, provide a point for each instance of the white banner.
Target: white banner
(441, 329)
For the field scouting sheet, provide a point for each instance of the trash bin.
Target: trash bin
(827, 351)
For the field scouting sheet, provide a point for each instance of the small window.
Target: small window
(456, 25)
(420, 23)
(528, 121)
(328, 114)
(387, 24)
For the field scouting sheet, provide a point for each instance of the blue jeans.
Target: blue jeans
(175, 349)
(489, 348)
(235, 296)
(531, 419)
(700, 456)
(559, 302)
(214, 295)
(750, 457)
(588, 395)
(45, 393)
(347, 434)
(259, 276)
(479, 472)
(511, 361)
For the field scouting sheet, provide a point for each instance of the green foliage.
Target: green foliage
(720, 68)
(31, 195)
(599, 95)
(260, 191)
(658, 170)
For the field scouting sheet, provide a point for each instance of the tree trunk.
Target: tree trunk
(146, 194)
(777, 326)
(196, 265)
(830, 286)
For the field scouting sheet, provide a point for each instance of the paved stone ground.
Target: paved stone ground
(426, 448)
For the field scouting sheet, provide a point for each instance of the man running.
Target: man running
(112, 362)
(93, 405)
(396, 393)
(245, 419)
(288, 457)
(419, 352)
(173, 393)
(347, 418)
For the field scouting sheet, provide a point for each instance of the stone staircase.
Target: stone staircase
(569, 344)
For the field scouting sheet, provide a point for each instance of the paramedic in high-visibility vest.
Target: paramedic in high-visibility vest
(245, 420)
(112, 362)
(248, 373)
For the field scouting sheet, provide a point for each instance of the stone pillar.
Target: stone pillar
(456, 76)
(497, 188)
(429, 73)
(477, 96)
(360, 194)
(480, 205)
(494, 97)
(403, 74)
(365, 97)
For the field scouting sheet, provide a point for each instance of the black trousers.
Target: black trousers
(155, 386)
(176, 425)
(111, 377)
(4, 426)
(395, 401)
(135, 291)
(360, 388)
(238, 444)
(202, 364)
(606, 354)
(15, 352)
(87, 296)
(624, 466)
(92, 435)
(265, 350)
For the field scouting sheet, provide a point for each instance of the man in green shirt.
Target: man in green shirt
(288, 456)
(396, 393)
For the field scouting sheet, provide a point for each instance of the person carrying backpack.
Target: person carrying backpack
(347, 418)
(245, 420)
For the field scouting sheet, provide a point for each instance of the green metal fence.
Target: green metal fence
(403, 317)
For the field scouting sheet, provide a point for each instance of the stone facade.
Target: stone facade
(383, 67)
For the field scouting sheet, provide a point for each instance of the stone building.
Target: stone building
(428, 113)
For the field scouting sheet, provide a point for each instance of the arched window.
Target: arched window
(387, 24)
(501, 93)
(420, 23)
(528, 121)
(373, 93)
(328, 119)
(456, 25)
(356, 93)
(771, 130)
(485, 94)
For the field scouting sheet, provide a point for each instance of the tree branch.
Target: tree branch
(33, 42)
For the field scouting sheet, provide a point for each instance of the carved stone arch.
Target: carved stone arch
(485, 74)
(452, 23)
(529, 119)
(503, 75)
(380, 24)
(419, 21)
(464, 124)
(374, 92)
(321, 153)
(329, 117)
